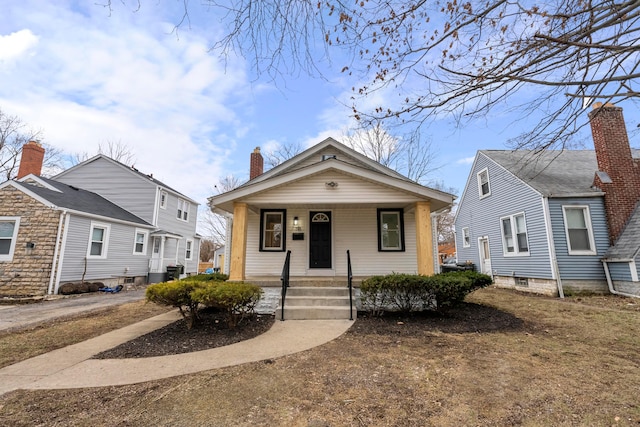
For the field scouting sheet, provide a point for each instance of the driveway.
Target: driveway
(22, 316)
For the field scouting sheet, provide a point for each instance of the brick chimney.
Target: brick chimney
(622, 185)
(32, 158)
(257, 164)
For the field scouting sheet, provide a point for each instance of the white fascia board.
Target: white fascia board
(107, 218)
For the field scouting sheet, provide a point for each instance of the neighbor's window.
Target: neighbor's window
(272, 230)
(188, 250)
(163, 199)
(577, 224)
(98, 240)
(183, 210)
(514, 235)
(140, 243)
(8, 236)
(466, 237)
(390, 230)
(483, 183)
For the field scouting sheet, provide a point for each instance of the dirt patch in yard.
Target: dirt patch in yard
(503, 358)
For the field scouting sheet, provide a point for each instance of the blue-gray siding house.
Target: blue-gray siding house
(511, 220)
(541, 222)
(556, 221)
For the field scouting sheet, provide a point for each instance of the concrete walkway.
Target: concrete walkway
(71, 367)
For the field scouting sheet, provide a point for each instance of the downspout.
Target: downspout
(552, 247)
(62, 249)
(54, 263)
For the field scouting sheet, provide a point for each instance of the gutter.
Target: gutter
(552, 247)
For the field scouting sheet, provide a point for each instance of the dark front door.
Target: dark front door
(320, 240)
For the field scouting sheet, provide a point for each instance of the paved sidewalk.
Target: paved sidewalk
(15, 317)
(71, 367)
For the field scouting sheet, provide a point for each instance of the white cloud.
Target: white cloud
(15, 45)
(92, 78)
(465, 161)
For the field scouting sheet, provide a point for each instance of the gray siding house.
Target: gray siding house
(559, 220)
(100, 221)
(174, 215)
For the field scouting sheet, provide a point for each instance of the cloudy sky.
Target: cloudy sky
(86, 76)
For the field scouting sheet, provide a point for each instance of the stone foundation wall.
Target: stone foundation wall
(631, 288)
(585, 286)
(537, 286)
(29, 272)
(550, 286)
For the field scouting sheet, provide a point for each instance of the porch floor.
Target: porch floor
(304, 281)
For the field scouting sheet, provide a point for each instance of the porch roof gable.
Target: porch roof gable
(439, 199)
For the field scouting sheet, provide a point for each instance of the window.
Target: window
(390, 230)
(188, 251)
(140, 242)
(272, 230)
(577, 224)
(483, 183)
(466, 238)
(8, 236)
(98, 240)
(163, 199)
(514, 235)
(183, 210)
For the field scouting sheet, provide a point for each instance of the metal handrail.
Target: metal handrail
(285, 281)
(349, 284)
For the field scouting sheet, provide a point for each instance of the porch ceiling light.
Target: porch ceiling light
(331, 184)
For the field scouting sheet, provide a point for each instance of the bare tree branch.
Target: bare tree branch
(462, 58)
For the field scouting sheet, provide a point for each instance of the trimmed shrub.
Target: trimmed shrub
(177, 294)
(237, 300)
(410, 292)
(213, 277)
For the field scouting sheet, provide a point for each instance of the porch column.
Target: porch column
(424, 238)
(238, 242)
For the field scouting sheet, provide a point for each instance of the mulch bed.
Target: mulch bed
(175, 338)
(212, 331)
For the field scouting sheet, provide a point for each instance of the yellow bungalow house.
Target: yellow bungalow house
(321, 203)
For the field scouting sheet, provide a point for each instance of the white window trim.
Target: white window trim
(401, 238)
(14, 238)
(166, 196)
(516, 251)
(283, 231)
(105, 242)
(145, 233)
(482, 196)
(186, 208)
(466, 237)
(186, 246)
(587, 219)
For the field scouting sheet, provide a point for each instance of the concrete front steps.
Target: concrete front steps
(316, 302)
